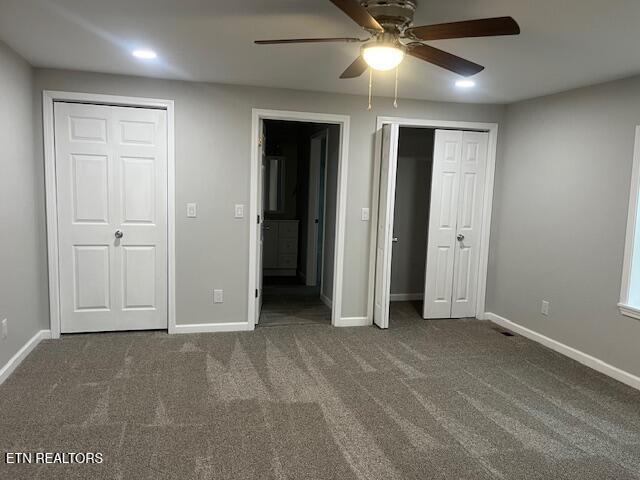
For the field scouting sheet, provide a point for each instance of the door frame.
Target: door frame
(487, 206)
(49, 97)
(343, 121)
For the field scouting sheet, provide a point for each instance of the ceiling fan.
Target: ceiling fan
(392, 36)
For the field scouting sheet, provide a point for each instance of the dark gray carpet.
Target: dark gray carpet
(424, 400)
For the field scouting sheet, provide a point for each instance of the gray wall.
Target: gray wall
(331, 197)
(213, 128)
(559, 220)
(23, 283)
(562, 184)
(411, 215)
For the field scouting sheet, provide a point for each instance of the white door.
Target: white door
(469, 224)
(111, 169)
(457, 193)
(445, 182)
(260, 220)
(318, 149)
(388, 167)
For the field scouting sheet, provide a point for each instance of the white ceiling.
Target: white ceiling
(564, 43)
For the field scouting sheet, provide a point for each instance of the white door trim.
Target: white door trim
(48, 99)
(341, 209)
(492, 129)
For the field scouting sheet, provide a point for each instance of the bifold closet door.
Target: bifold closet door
(457, 193)
(111, 172)
(388, 167)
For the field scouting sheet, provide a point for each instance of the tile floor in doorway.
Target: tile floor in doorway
(292, 304)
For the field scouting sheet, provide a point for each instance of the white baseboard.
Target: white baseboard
(353, 322)
(21, 354)
(326, 300)
(213, 327)
(584, 358)
(406, 297)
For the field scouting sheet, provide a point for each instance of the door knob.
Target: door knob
(119, 234)
(394, 239)
(460, 237)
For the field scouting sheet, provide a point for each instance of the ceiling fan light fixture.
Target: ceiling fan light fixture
(383, 57)
(465, 83)
(144, 54)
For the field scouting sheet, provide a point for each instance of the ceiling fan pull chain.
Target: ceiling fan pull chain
(370, 85)
(395, 97)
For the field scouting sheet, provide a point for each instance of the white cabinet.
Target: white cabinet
(280, 257)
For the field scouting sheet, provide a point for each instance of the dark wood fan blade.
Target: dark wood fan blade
(486, 27)
(358, 14)
(357, 68)
(307, 40)
(443, 59)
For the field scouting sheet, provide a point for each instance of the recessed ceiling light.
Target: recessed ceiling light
(144, 54)
(465, 83)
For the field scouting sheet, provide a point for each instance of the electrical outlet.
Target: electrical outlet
(5, 329)
(545, 308)
(218, 296)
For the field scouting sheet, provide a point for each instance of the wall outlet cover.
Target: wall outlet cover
(239, 211)
(365, 214)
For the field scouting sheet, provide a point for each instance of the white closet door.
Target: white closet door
(388, 167)
(111, 168)
(470, 201)
(457, 194)
(441, 246)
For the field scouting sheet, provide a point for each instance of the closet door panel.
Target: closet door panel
(441, 243)
(388, 168)
(469, 220)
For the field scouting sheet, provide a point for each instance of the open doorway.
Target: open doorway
(300, 164)
(411, 222)
(433, 211)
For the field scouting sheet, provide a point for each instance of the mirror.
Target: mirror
(274, 182)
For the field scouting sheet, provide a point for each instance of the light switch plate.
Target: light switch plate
(192, 210)
(545, 308)
(218, 296)
(239, 211)
(5, 329)
(365, 214)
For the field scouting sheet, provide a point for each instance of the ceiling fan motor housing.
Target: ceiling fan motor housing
(393, 15)
(384, 39)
